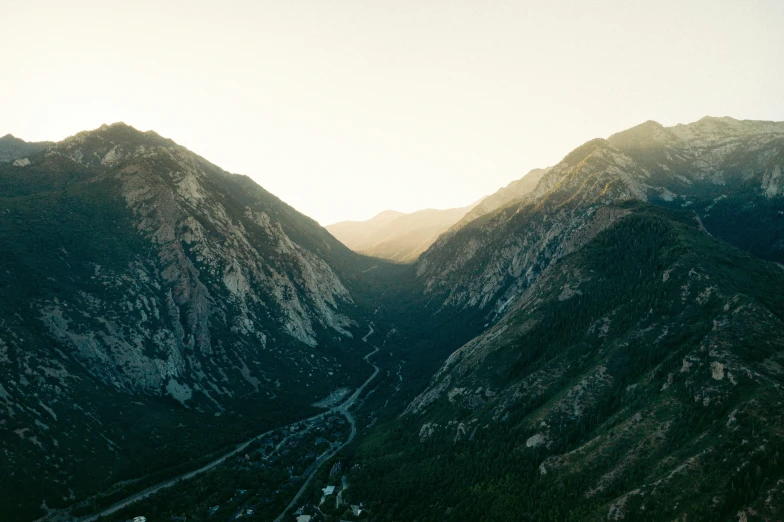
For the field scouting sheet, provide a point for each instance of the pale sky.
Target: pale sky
(344, 108)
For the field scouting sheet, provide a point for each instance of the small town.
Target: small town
(273, 469)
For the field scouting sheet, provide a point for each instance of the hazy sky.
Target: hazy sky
(346, 108)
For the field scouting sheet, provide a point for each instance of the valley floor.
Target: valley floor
(295, 431)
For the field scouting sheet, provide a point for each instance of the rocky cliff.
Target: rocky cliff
(136, 273)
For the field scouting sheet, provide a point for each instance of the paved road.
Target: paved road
(342, 409)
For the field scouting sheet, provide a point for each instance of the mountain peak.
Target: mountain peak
(110, 143)
(117, 131)
(117, 124)
(387, 214)
(643, 136)
(585, 150)
(650, 124)
(12, 147)
(724, 119)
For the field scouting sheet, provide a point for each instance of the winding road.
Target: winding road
(341, 408)
(344, 410)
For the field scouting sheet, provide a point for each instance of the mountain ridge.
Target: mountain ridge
(13, 148)
(617, 387)
(140, 277)
(587, 344)
(545, 413)
(396, 235)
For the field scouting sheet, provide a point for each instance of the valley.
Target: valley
(296, 430)
(600, 339)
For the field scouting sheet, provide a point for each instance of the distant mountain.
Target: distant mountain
(395, 235)
(403, 237)
(359, 235)
(154, 307)
(13, 148)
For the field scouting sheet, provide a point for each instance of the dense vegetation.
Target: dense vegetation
(647, 432)
(605, 358)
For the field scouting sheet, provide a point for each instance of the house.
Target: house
(328, 490)
(139, 519)
(214, 509)
(303, 518)
(356, 510)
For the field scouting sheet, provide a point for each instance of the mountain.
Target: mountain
(638, 378)
(403, 237)
(13, 148)
(359, 235)
(503, 196)
(395, 235)
(604, 343)
(630, 366)
(726, 171)
(154, 308)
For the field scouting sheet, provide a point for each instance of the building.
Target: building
(303, 518)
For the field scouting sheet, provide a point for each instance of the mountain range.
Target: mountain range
(598, 340)
(395, 235)
(403, 237)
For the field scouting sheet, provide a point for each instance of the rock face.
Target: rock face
(135, 270)
(717, 167)
(219, 258)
